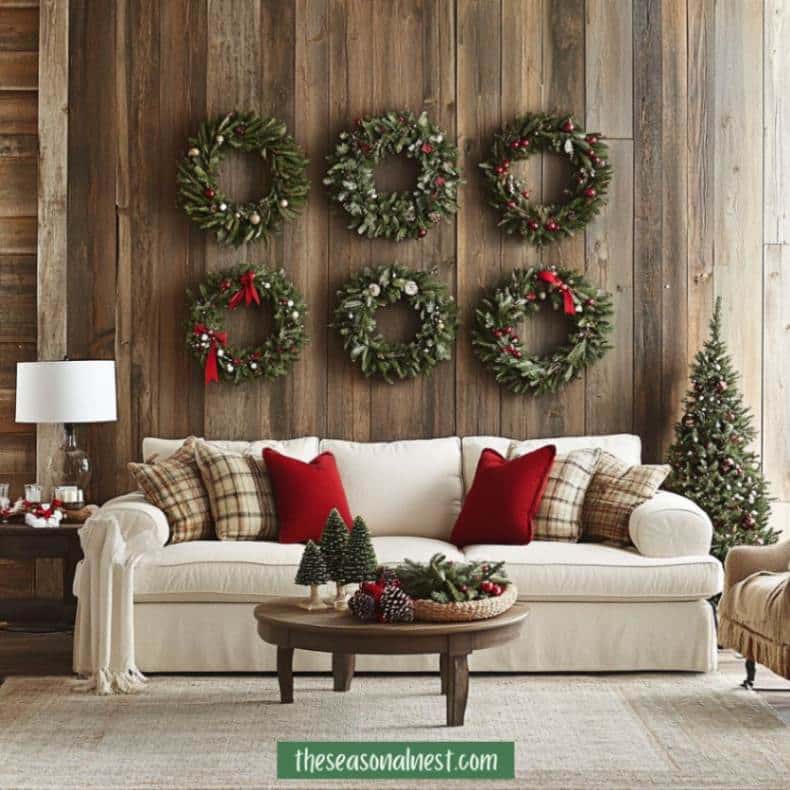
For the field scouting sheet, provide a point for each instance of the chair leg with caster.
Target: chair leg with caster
(751, 669)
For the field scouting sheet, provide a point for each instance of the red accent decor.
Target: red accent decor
(504, 498)
(305, 494)
(567, 295)
(216, 338)
(248, 292)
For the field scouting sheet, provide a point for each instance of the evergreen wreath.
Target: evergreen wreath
(355, 319)
(534, 133)
(498, 346)
(246, 284)
(394, 215)
(204, 202)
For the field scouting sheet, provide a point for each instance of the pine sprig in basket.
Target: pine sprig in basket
(444, 581)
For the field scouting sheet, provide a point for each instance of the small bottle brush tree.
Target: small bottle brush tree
(312, 571)
(334, 543)
(360, 562)
(711, 461)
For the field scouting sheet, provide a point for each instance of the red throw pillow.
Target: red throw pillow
(304, 494)
(503, 498)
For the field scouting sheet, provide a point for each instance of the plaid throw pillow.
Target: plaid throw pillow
(176, 487)
(559, 516)
(240, 492)
(615, 490)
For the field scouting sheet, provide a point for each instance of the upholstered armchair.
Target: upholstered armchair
(754, 611)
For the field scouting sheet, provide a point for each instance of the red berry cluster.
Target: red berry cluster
(491, 589)
(508, 336)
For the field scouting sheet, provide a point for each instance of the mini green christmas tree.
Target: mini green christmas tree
(711, 462)
(334, 541)
(360, 561)
(312, 572)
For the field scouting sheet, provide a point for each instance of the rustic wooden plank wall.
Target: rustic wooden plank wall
(677, 85)
(19, 24)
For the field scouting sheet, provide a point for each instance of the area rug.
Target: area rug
(612, 731)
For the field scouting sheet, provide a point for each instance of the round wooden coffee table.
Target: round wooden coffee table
(284, 624)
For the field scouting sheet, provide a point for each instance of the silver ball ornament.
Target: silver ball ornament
(283, 203)
(255, 219)
(193, 152)
(220, 139)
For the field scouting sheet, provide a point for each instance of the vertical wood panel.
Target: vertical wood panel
(311, 241)
(739, 181)
(522, 91)
(478, 33)
(53, 129)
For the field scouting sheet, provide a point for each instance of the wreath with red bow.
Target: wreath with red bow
(497, 344)
(534, 133)
(249, 286)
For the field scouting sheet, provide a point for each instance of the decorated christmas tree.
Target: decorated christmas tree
(312, 571)
(334, 541)
(360, 562)
(711, 461)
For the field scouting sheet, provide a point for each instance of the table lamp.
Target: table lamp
(68, 392)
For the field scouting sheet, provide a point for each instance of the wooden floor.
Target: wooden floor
(50, 654)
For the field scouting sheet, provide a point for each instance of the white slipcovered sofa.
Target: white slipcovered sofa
(593, 607)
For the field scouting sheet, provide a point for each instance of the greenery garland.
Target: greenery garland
(534, 133)
(248, 285)
(394, 215)
(498, 346)
(205, 203)
(371, 289)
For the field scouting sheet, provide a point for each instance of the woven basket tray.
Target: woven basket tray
(432, 612)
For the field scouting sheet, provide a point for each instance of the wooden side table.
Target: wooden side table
(20, 542)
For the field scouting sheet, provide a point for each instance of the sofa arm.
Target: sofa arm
(743, 561)
(136, 515)
(669, 525)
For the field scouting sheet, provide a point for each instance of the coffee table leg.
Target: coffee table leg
(457, 689)
(443, 661)
(285, 673)
(343, 670)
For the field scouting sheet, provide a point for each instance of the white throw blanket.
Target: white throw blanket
(104, 650)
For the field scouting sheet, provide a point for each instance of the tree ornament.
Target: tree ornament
(360, 559)
(312, 572)
(354, 319)
(728, 470)
(395, 215)
(334, 542)
(198, 178)
(504, 355)
(228, 290)
(537, 133)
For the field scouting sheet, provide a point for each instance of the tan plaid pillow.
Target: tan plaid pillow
(176, 487)
(240, 492)
(559, 516)
(615, 490)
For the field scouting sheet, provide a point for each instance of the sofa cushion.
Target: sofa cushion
(402, 488)
(248, 571)
(669, 525)
(305, 495)
(625, 446)
(176, 487)
(504, 498)
(550, 571)
(304, 448)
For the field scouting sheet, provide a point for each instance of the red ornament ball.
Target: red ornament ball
(515, 145)
(568, 126)
(511, 204)
(524, 142)
(591, 139)
(525, 194)
(224, 285)
(499, 170)
(209, 192)
(440, 181)
(240, 130)
(426, 148)
(422, 233)
(552, 226)
(533, 224)
(590, 192)
(531, 296)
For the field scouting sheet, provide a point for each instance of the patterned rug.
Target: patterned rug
(612, 731)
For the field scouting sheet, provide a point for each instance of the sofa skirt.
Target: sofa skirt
(558, 637)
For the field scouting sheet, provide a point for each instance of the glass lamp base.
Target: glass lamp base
(77, 467)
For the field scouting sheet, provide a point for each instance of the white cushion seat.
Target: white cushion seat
(248, 571)
(555, 571)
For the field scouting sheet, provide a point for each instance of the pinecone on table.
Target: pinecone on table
(387, 576)
(362, 606)
(396, 606)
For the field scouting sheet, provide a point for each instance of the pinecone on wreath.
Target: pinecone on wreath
(396, 606)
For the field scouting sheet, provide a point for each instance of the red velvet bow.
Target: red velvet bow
(217, 339)
(567, 295)
(248, 292)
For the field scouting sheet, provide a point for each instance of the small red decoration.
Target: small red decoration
(567, 295)
(591, 139)
(552, 226)
(247, 293)
(422, 233)
(426, 148)
(440, 181)
(511, 204)
(568, 126)
(240, 130)
(533, 224)
(209, 192)
(590, 192)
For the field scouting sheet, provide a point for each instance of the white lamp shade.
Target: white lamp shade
(72, 391)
